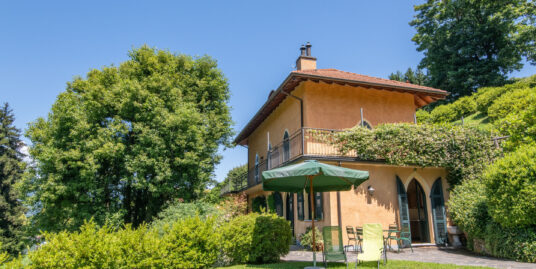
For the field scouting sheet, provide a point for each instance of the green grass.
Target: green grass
(479, 120)
(390, 264)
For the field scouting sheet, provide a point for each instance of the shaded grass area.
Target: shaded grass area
(390, 264)
(478, 120)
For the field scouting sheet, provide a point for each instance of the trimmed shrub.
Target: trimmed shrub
(189, 243)
(192, 243)
(306, 239)
(256, 238)
(511, 188)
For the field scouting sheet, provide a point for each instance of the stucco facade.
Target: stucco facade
(328, 100)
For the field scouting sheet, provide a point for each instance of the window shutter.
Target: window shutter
(300, 205)
(438, 213)
(319, 206)
(403, 205)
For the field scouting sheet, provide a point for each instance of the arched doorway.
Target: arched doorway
(418, 216)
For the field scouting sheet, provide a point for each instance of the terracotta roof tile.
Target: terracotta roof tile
(338, 74)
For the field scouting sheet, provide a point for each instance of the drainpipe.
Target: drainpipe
(339, 206)
(301, 119)
(301, 105)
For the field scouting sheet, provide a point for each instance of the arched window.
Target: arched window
(257, 168)
(365, 124)
(286, 147)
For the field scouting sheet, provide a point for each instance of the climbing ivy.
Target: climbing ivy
(463, 151)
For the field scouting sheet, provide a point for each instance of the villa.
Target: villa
(312, 103)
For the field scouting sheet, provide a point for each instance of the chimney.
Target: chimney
(305, 61)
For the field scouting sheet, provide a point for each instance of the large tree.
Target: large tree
(473, 43)
(121, 143)
(11, 171)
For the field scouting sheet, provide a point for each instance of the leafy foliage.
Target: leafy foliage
(126, 140)
(259, 204)
(189, 243)
(465, 152)
(180, 210)
(516, 243)
(511, 188)
(306, 239)
(256, 238)
(415, 77)
(474, 43)
(468, 207)
(11, 170)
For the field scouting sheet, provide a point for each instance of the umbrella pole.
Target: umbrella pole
(311, 195)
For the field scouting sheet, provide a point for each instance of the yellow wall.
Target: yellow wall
(285, 117)
(333, 106)
(359, 207)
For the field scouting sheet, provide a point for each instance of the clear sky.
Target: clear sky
(44, 44)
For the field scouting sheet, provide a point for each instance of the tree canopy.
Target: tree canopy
(122, 142)
(473, 43)
(415, 77)
(11, 170)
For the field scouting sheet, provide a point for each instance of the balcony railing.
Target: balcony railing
(309, 142)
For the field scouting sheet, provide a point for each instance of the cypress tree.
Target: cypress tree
(11, 170)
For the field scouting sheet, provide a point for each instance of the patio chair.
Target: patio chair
(352, 237)
(333, 245)
(405, 235)
(391, 235)
(372, 244)
(359, 234)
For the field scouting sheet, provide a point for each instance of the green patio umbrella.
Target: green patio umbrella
(313, 176)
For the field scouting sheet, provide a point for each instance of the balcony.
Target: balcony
(306, 142)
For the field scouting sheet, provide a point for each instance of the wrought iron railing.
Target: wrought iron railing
(312, 142)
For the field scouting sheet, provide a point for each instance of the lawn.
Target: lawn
(390, 264)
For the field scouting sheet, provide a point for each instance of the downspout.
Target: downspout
(301, 119)
(339, 206)
(301, 105)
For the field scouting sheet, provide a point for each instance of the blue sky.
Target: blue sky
(44, 44)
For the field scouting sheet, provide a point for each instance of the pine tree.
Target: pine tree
(11, 170)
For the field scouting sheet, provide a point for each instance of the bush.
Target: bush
(512, 102)
(306, 239)
(511, 188)
(453, 112)
(189, 243)
(256, 238)
(192, 243)
(517, 243)
(259, 204)
(422, 116)
(179, 211)
(3, 255)
(468, 207)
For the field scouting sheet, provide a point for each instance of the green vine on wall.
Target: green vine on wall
(463, 151)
